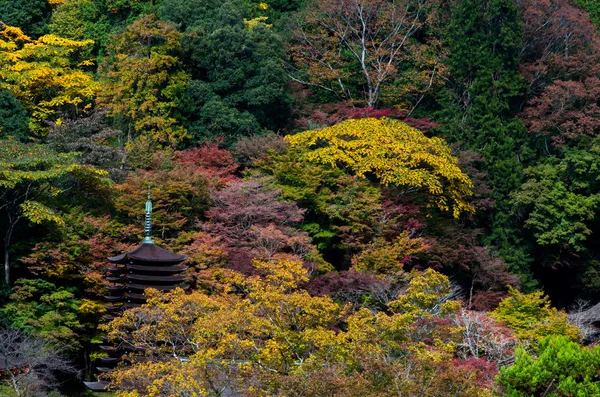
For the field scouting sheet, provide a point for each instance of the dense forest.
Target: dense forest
(376, 197)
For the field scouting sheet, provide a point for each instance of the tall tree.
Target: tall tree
(355, 49)
(238, 84)
(30, 176)
(45, 75)
(483, 38)
(142, 81)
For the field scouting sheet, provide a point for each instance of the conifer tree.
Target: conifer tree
(483, 39)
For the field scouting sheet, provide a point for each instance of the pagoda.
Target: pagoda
(147, 266)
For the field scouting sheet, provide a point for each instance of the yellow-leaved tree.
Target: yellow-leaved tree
(266, 336)
(394, 152)
(44, 75)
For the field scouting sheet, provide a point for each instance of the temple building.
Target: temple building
(147, 266)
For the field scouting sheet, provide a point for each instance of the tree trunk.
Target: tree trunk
(6, 264)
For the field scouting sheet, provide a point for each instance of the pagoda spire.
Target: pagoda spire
(148, 222)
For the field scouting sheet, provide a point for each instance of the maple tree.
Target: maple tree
(30, 176)
(45, 75)
(180, 196)
(396, 154)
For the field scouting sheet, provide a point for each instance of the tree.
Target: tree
(32, 16)
(532, 318)
(238, 84)
(263, 335)
(355, 49)
(559, 56)
(33, 365)
(180, 196)
(92, 137)
(478, 107)
(45, 76)
(30, 175)
(255, 223)
(559, 367)
(143, 81)
(14, 121)
(40, 308)
(398, 155)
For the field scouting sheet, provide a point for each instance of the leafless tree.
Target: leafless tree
(30, 365)
(376, 35)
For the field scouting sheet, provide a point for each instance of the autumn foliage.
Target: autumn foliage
(375, 198)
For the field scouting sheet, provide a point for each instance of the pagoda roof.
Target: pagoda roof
(149, 253)
(144, 277)
(135, 296)
(158, 287)
(97, 386)
(161, 269)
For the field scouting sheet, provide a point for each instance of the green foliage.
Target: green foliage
(484, 39)
(32, 16)
(592, 8)
(532, 318)
(45, 310)
(341, 210)
(560, 367)
(560, 198)
(32, 177)
(238, 81)
(81, 20)
(13, 117)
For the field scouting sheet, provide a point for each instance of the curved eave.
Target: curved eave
(97, 386)
(149, 253)
(157, 269)
(158, 287)
(161, 279)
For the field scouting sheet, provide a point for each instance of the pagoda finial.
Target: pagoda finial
(148, 223)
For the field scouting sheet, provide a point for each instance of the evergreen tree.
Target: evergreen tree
(483, 38)
(13, 117)
(32, 16)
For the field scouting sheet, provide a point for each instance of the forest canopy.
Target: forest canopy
(374, 198)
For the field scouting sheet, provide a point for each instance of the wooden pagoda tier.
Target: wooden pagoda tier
(147, 266)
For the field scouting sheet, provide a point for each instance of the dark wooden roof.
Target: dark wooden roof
(158, 287)
(147, 277)
(113, 298)
(97, 386)
(135, 296)
(149, 253)
(161, 269)
(108, 360)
